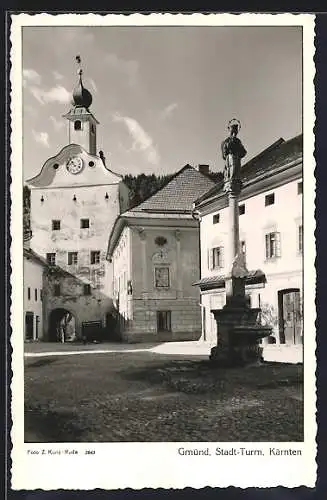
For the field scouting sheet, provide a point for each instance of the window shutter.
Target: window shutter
(222, 257)
(267, 246)
(210, 259)
(277, 236)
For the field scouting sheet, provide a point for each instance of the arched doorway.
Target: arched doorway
(62, 326)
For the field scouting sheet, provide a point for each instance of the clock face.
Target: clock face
(75, 165)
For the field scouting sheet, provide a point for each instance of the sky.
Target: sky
(163, 95)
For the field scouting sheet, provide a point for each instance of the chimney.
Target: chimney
(203, 169)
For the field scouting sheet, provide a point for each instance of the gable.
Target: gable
(54, 172)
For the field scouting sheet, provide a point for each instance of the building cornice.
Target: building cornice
(260, 184)
(150, 222)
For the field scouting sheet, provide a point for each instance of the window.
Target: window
(51, 259)
(28, 293)
(161, 276)
(163, 321)
(272, 245)
(78, 125)
(56, 225)
(300, 187)
(216, 258)
(215, 219)
(87, 289)
(35, 294)
(95, 257)
(85, 223)
(269, 199)
(241, 209)
(56, 290)
(72, 258)
(300, 238)
(41, 294)
(92, 129)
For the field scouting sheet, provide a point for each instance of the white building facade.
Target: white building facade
(75, 200)
(34, 268)
(271, 235)
(154, 251)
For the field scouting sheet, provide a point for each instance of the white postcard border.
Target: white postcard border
(155, 465)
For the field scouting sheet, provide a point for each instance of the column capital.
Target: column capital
(142, 233)
(178, 234)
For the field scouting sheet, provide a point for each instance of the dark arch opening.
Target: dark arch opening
(62, 326)
(78, 125)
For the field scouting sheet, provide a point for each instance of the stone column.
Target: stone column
(238, 331)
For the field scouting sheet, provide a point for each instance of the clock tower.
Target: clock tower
(82, 124)
(75, 201)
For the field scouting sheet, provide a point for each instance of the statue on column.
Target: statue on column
(232, 151)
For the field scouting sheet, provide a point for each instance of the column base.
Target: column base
(232, 357)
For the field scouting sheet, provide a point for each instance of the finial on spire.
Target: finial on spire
(79, 61)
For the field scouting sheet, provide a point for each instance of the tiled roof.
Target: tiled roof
(218, 281)
(179, 194)
(279, 154)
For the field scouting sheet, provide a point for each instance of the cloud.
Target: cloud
(31, 76)
(41, 138)
(57, 124)
(142, 141)
(128, 68)
(57, 75)
(93, 85)
(55, 94)
(168, 111)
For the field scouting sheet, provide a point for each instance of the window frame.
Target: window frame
(83, 221)
(87, 289)
(272, 251)
(212, 258)
(71, 258)
(56, 222)
(241, 209)
(56, 290)
(51, 256)
(158, 268)
(268, 198)
(300, 239)
(80, 127)
(93, 255)
(165, 320)
(216, 218)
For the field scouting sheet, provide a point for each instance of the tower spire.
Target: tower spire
(81, 96)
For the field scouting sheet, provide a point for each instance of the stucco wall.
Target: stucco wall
(283, 272)
(33, 280)
(91, 203)
(180, 254)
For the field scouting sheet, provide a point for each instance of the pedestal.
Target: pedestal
(239, 336)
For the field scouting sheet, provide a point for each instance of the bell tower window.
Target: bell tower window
(78, 125)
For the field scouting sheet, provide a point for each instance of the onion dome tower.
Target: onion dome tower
(82, 123)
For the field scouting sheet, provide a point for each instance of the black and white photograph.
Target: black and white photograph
(163, 249)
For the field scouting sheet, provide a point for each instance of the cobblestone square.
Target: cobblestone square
(147, 397)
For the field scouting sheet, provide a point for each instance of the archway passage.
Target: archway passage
(62, 326)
